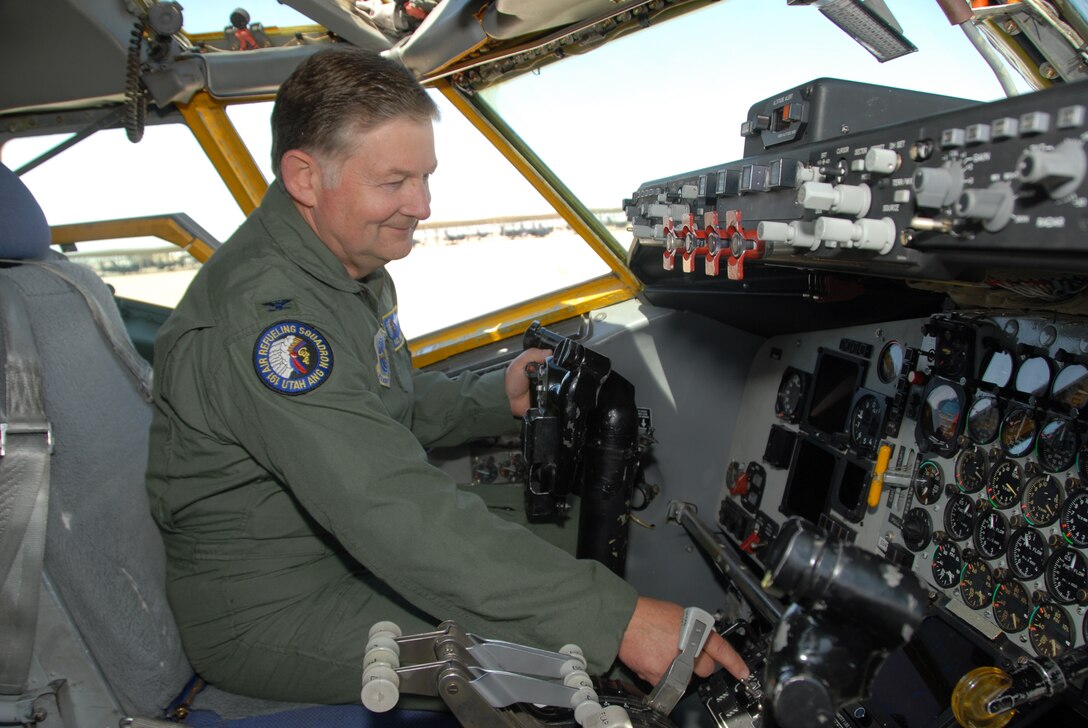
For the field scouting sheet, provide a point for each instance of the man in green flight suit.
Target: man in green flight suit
(287, 471)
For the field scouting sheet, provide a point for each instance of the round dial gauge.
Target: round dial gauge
(917, 529)
(971, 470)
(1033, 376)
(983, 419)
(928, 483)
(991, 534)
(1071, 386)
(977, 584)
(890, 362)
(1058, 445)
(791, 394)
(1074, 521)
(1003, 488)
(1012, 606)
(998, 369)
(1027, 553)
(939, 418)
(1066, 575)
(947, 564)
(1018, 432)
(959, 517)
(1042, 500)
(866, 423)
(1050, 630)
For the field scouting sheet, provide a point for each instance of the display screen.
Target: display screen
(833, 385)
(852, 491)
(810, 481)
(914, 686)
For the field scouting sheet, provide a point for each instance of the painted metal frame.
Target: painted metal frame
(206, 117)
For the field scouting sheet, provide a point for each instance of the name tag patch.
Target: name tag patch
(292, 357)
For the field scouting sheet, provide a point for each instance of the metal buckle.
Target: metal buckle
(25, 428)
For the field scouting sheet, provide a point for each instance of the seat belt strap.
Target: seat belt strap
(121, 346)
(26, 443)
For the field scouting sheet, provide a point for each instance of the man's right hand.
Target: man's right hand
(651, 642)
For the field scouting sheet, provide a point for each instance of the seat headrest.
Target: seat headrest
(24, 233)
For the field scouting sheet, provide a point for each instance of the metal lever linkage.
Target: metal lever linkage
(479, 679)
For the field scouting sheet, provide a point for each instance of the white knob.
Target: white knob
(614, 716)
(797, 233)
(381, 688)
(577, 679)
(816, 195)
(881, 161)
(834, 229)
(382, 627)
(864, 234)
(1060, 172)
(843, 199)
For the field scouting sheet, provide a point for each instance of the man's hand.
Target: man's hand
(517, 382)
(651, 641)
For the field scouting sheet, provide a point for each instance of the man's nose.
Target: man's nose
(418, 202)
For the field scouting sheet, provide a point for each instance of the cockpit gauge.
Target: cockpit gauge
(1042, 500)
(791, 395)
(1067, 576)
(959, 517)
(917, 529)
(1003, 488)
(928, 483)
(1071, 386)
(890, 361)
(1058, 445)
(998, 369)
(1027, 553)
(971, 470)
(984, 419)
(1033, 376)
(1050, 630)
(867, 422)
(977, 584)
(1018, 432)
(991, 534)
(940, 417)
(1074, 520)
(946, 565)
(1012, 606)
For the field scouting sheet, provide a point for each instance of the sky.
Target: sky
(605, 122)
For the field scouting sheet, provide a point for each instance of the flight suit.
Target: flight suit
(289, 478)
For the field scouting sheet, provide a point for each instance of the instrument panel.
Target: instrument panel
(955, 445)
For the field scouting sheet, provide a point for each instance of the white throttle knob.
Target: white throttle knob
(381, 687)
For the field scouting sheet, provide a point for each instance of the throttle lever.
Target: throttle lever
(694, 631)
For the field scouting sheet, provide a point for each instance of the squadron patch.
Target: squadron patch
(291, 357)
(382, 365)
(391, 324)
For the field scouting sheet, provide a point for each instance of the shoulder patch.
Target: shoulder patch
(291, 357)
(391, 324)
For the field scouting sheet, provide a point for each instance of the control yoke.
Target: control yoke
(580, 436)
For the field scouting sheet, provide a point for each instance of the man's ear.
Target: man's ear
(301, 176)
